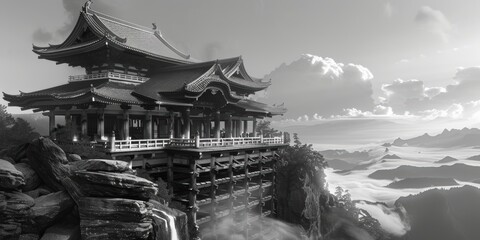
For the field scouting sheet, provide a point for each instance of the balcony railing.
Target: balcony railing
(155, 144)
(108, 75)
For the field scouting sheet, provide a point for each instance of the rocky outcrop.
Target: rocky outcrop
(72, 157)
(109, 184)
(48, 160)
(115, 218)
(67, 229)
(14, 211)
(95, 165)
(32, 181)
(80, 199)
(49, 209)
(10, 177)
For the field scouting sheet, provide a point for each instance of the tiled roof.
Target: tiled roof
(196, 77)
(78, 93)
(119, 33)
(139, 38)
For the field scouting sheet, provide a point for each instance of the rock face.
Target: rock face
(74, 157)
(67, 229)
(111, 202)
(108, 184)
(94, 165)
(115, 218)
(32, 181)
(14, 211)
(10, 177)
(48, 209)
(47, 159)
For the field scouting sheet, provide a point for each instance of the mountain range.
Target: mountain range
(466, 137)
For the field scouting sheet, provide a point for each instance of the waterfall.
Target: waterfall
(170, 223)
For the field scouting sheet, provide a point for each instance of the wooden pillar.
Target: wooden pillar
(171, 125)
(126, 125)
(245, 128)
(216, 130)
(192, 199)
(51, 124)
(247, 193)
(213, 190)
(101, 125)
(228, 127)
(68, 119)
(84, 123)
(254, 127)
(206, 127)
(234, 128)
(238, 127)
(147, 128)
(186, 124)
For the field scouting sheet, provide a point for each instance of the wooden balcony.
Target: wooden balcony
(108, 75)
(117, 146)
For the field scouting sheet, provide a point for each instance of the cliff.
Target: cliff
(45, 196)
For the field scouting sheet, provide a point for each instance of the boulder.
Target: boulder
(47, 159)
(108, 229)
(40, 191)
(118, 209)
(67, 229)
(95, 165)
(72, 157)
(114, 218)
(48, 209)
(10, 230)
(10, 177)
(15, 206)
(107, 184)
(29, 236)
(32, 181)
(14, 211)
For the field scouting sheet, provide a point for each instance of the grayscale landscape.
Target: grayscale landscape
(256, 119)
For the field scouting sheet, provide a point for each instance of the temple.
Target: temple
(186, 121)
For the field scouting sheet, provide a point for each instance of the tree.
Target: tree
(21, 132)
(14, 132)
(264, 127)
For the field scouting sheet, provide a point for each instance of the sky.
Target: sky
(398, 59)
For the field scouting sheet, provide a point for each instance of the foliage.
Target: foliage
(14, 131)
(346, 210)
(301, 167)
(264, 127)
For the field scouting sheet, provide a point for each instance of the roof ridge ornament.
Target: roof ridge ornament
(86, 7)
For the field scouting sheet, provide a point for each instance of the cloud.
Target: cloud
(389, 220)
(455, 111)
(435, 21)
(312, 84)
(452, 101)
(388, 9)
(400, 91)
(42, 36)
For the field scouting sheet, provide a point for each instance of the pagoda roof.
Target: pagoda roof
(114, 32)
(195, 78)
